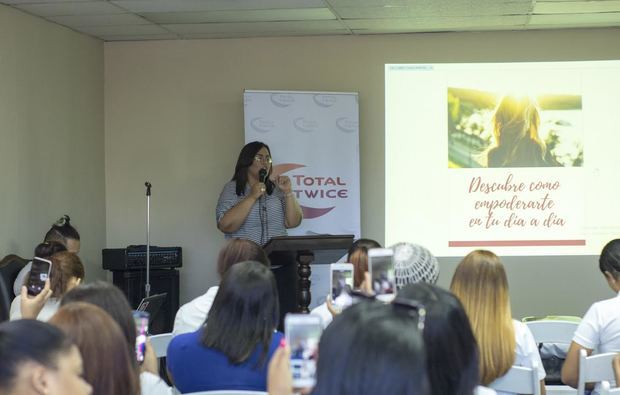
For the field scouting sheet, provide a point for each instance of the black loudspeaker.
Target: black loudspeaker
(131, 282)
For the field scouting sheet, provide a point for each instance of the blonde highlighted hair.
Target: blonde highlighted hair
(481, 284)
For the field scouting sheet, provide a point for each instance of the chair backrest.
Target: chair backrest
(228, 392)
(605, 389)
(552, 331)
(160, 343)
(594, 369)
(520, 380)
(10, 266)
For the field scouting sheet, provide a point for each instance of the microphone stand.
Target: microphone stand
(147, 286)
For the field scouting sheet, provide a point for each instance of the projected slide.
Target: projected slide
(520, 158)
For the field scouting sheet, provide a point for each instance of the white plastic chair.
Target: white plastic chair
(520, 380)
(594, 369)
(605, 390)
(553, 331)
(160, 343)
(227, 392)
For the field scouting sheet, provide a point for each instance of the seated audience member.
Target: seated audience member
(38, 359)
(108, 364)
(67, 272)
(192, 315)
(233, 349)
(358, 256)
(414, 264)
(61, 232)
(481, 285)
(451, 348)
(113, 301)
(600, 327)
(371, 348)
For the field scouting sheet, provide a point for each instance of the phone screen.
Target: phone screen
(39, 273)
(382, 274)
(141, 319)
(303, 333)
(341, 286)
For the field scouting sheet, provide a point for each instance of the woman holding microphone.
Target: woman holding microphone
(252, 205)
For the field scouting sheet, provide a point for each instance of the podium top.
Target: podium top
(311, 243)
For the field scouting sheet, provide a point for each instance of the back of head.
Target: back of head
(239, 250)
(358, 256)
(244, 313)
(65, 267)
(111, 300)
(609, 260)
(108, 363)
(372, 348)
(49, 248)
(62, 231)
(451, 349)
(413, 264)
(481, 285)
(24, 341)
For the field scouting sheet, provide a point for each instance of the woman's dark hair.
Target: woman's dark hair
(49, 248)
(239, 250)
(108, 364)
(245, 160)
(112, 301)
(65, 266)
(609, 261)
(372, 348)
(451, 349)
(24, 341)
(62, 230)
(358, 256)
(244, 313)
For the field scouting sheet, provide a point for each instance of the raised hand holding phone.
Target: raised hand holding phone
(31, 306)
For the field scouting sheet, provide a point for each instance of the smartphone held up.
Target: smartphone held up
(382, 274)
(303, 332)
(39, 273)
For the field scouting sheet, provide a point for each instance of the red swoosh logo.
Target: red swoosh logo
(284, 168)
(311, 212)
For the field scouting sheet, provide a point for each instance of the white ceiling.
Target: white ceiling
(117, 20)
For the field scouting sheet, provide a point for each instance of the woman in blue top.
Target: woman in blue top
(232, 350)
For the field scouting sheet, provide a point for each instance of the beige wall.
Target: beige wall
(51, 135)
(174, 116)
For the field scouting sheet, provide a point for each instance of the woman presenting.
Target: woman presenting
(252, 205)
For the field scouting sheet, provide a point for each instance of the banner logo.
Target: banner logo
(282, 100)
(262, 125)
(313, 188)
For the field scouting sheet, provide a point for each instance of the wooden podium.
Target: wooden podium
(303, 251)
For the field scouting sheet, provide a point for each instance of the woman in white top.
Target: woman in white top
(600, 328)
(66, 273)
(193, 314)
(481, 284)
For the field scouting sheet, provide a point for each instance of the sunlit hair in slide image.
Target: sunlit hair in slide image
(515, 126)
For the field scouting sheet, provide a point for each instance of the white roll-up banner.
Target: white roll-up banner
(314, 139)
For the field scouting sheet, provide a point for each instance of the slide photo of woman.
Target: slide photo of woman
(491, 129)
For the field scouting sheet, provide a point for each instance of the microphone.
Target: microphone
(262, 175)
(148, 188)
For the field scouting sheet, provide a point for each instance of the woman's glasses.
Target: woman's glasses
(263, 159)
